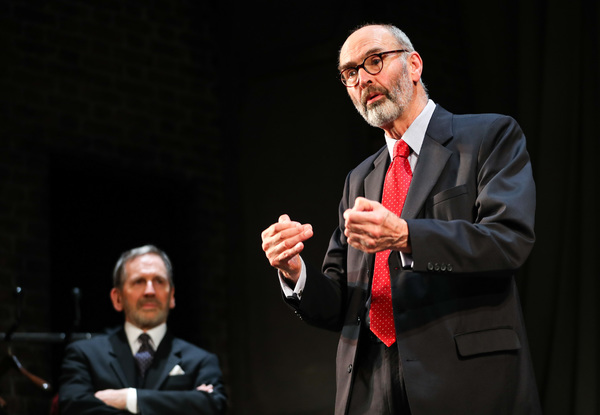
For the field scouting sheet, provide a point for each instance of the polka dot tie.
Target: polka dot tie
(395, 187)
(145, 354)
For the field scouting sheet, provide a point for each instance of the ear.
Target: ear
(172, 300)
(415, 66)
(115, 296)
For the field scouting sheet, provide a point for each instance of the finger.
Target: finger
(283, 223)
(285, 238)
(288, 245)
(358, 221)
(285, 256)
(363, 204)
(278, 227)
(205, 388)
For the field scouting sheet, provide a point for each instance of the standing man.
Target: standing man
(142, 368)
(419, 274)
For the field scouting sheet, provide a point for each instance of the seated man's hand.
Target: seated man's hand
(205, 388)
(117, 398)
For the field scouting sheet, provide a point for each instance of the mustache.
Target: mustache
(143, 302)
(372, 90)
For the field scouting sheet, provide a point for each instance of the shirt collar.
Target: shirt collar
(156, 335)
(415, 134)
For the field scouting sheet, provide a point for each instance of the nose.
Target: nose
(364, 77)
(149, 288)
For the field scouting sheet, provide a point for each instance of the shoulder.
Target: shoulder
(100, 341)
(187, 348)
(487, 121)
(88, 349)
(442, 117)
(95, 342)
(474, 132)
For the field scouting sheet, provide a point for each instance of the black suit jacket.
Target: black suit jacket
(106, 362)
(470, 214)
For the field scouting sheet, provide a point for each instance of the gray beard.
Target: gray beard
(390, 108)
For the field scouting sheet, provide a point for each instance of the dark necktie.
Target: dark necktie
(144, 356)
(395, 188)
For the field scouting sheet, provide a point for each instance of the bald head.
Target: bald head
(375, 35)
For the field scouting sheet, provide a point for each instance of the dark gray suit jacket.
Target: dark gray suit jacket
(460, 333)
(106, 362)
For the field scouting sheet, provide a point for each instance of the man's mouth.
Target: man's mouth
(372, 97)
(149, 305)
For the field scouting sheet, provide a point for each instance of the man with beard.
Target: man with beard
(142, 368)
(419, 274)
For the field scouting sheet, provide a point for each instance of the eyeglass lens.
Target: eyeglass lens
(373, 65)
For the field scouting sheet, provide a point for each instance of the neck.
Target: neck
(398, 127)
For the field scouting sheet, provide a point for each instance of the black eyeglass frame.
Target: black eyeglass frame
(362, 65)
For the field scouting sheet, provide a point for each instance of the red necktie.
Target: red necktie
(395, 187)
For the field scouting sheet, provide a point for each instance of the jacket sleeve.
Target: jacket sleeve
(76, 392)
(489, 228)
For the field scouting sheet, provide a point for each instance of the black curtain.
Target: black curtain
(558, 100)
(547, 71)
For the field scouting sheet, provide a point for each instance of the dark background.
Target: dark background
(194, 125)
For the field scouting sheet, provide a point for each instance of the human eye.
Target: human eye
(373, 60)
(349, 73)
(138, 282)
(161, 281)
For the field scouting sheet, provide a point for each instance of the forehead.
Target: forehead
(147, 264)
(364, 42)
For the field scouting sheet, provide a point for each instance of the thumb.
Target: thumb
(363, 205)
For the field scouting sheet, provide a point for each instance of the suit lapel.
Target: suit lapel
(373, 182)
(165, 358)
(122, 361)
(432, 160)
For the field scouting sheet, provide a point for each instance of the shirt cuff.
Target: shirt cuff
(131, 405)
(299, 288)
(407, 260)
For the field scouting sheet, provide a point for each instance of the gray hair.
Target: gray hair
(119, 271)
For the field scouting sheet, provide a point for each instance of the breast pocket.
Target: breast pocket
(454, 203)
(501, 339)
(179, 382)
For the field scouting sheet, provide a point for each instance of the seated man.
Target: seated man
(141, 368)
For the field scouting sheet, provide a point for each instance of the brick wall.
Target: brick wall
(102, 89)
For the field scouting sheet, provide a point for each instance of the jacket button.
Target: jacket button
(437, 267)
(429, 266)
(449, 267)
(350, 368)
(443, 267)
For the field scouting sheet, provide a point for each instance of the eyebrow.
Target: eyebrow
(368, 53)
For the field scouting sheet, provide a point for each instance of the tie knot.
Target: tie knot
(401, 149)
(145, 342)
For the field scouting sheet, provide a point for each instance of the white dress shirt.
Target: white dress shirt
(133, 333)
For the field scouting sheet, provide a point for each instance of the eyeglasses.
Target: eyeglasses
(373, 64)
